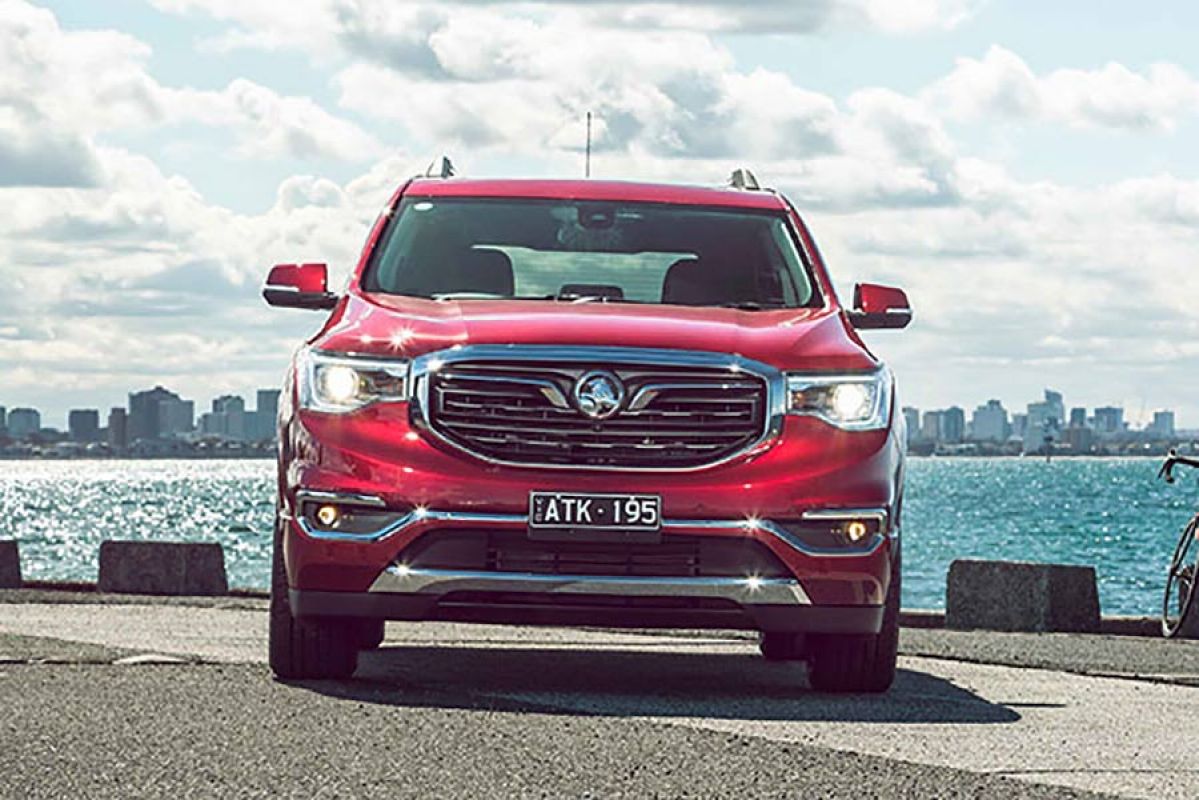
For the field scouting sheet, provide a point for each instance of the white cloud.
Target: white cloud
(909, 16)
(62, 91)
(140, 280)
(1001, 84)
(396, 33)
(55, 91)
(268, 124)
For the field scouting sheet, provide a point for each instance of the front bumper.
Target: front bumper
(850, 583)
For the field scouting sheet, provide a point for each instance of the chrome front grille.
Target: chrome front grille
(524, 413)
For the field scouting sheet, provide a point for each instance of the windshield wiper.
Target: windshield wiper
(449, 296)
(468, 296)
(750, 305)
(595, 298)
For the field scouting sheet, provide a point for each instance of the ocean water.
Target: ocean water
(1109, 513)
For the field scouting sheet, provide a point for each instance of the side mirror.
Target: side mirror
(299, 286)
(878, 307)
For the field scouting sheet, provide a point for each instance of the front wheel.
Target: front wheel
(306, 648)
(1180, 619)
(858, 662)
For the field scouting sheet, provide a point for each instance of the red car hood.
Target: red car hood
(394, 326)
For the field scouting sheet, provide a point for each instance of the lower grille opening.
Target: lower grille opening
(673, 557)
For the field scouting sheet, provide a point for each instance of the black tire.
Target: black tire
(369, 633)
(856, 662)
(1180, 617)
(309, 648)
(779, 646)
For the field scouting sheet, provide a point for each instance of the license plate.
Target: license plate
(639, 512)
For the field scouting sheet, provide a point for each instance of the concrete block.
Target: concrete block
(10, 565)
(1014, 596)
(170, 568)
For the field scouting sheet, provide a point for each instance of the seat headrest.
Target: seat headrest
(486, 270)
(690, 282)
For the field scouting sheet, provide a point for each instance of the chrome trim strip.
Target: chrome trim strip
(408, 520)
(782, 534)
(548, 388)
(420, 515)
(340, 498)
(423, 366)
(837, 514)
(771, 591)
(651, 390)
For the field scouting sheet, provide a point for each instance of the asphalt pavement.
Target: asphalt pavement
(153, 700)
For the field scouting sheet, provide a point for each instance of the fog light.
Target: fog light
(856, 530)
(328, 516)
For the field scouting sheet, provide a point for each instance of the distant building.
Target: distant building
(118, 429)
(953, 425)
(1019, 424)
(1163, 424)
(930, 428)
(266, 415)
(989, 423)
(83, 425)
(175, 417)
(1045, 422)
(1079, 438)
(1109, 419)
(1078, 418)
(24, 422)
(911, 416)
(158, 414)
(229, 417)
(3, 419)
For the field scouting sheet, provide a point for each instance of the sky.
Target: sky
(1025, 170)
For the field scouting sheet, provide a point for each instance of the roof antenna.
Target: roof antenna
(587, 167)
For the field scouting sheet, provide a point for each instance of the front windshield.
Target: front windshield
(462, 249)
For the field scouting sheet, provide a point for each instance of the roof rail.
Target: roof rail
(742, 178)
(440, 168)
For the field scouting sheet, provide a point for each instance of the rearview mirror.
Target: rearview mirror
(299, 286)
(877, 307)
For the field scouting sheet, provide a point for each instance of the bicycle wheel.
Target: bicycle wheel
(1179, 617)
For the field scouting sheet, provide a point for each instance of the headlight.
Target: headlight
(337, 384)
(850, 402)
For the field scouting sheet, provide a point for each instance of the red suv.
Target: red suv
(577, 402)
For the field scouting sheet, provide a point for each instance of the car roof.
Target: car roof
(620, 191)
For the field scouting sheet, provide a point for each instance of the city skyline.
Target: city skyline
(1138, 421)
(154, 413)
(1045, 426)
(1139, 410)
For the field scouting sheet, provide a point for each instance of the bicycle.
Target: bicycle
(1180, 619)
